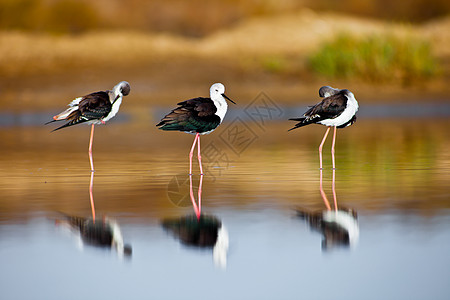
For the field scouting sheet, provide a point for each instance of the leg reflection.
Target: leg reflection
(91, 195)
(197, 208)
(333, 187)
(339, 226)
(322, 193)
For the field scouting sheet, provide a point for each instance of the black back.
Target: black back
(193, 115)
(191, 231)
(91, 107)
(329, 108)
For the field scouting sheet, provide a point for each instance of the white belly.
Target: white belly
(343, 118)
(346, 115)
(114, 109)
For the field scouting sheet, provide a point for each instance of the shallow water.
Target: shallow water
(394, 174)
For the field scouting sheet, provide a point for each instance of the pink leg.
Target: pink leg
(90, 148)
(191, 154)
(200, 196)
(333, 186)
(91, 196)
(199, 156)
(322, 193)
(332, 148)
(321, 146)
(191, 194)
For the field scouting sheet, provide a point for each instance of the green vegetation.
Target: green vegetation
(274, 64)
(375, 58)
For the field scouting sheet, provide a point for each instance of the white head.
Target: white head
(122, 89)
(217, 93)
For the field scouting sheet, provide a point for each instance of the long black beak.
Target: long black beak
(117, 97)
(225, 96)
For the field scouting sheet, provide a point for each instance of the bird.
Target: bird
(337, 109)
(94, 108)
(203, 232)
(339, 227)
(198, 116)
(105, 233)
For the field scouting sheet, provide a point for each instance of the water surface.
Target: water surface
(393, 173)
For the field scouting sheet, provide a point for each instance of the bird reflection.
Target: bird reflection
(199, 230)
(103, 233)
(338, 225)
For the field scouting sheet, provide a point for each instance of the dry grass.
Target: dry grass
(24, 53)
(260, 52)
(296, 34)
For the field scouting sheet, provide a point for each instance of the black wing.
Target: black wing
(193, 115)
(91, 107)
(330, 108)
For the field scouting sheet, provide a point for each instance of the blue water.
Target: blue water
(393, 172)
(272, 255)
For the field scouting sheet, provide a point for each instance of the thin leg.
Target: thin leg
(332, 148)
(333, 186)
(321, 146)
(91, 196)
(191, 154)
(322, 193)
(191, 194)
(199, 156)
(200, 195)
(90, 148)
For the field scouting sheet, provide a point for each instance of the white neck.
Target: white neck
(221, 248)
(221, 105)
(116, 104)
(352, 101)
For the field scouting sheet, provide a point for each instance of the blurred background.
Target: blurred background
(61, 48)
(393, 165)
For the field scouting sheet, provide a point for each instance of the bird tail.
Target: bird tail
(65, 114)
(62, 116)
(72, 114)
(50, 122)
(73, 122)
(301, 122)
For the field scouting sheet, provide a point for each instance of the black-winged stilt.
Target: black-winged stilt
(339, 226)
(204, 232)
(105, 233)
(95, 108)
(337, 109)
(198, 116)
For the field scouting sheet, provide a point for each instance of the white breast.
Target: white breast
(222, 106)
(220, 249)
(114, 109)
(348, 113)
(346, 221)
